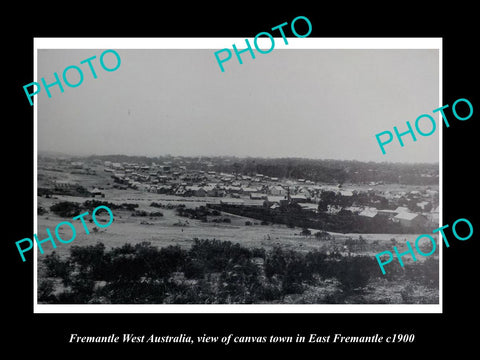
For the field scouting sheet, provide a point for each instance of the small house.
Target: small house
(410, 219)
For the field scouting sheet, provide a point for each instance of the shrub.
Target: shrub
(407, 294)
(258, 252)
(45, 292)
(90, 261)
(129, 207)
(56, 267)
(288, 266)
(193, 269)
(425, 273)
(217, 272)
(66, 209)
(306, 232)
(322, 235)
(316, 262)
(355, 272)
(269, 292)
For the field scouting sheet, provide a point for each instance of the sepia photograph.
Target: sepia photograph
(262, 185)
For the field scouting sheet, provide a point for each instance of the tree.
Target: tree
(306, 232)
(322, 235)
(66, 209)
(355, 272)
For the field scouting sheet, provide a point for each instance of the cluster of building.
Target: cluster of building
(199, 179)
(262, 190)
(403, 215)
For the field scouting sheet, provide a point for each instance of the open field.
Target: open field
(172, 229)
(164, 232)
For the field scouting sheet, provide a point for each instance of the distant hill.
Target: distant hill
(55, 154)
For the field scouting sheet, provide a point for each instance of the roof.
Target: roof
(354, 208)
(387, 211)
(368, 213)
(275, 198)
(298, 197)
(406, 216)
(422, 203)
(309, 206)
(231, 201)
(194, 188)
(250, 189)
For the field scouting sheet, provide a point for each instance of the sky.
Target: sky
(311, 103)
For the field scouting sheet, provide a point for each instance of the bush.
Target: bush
(355, 272)
(90, 261)
(288, 266)
(56, 267)
(248, 223)
(193, 269)
(407, 294)
(306, 232)
(258, 252)
(425, 273)
(45, 292)
(129, 207)
(317, 263)
(66, 209)
(269, 292)
(213, 271)
(322, 235)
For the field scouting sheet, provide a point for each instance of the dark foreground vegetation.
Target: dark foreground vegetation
(213, 271)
